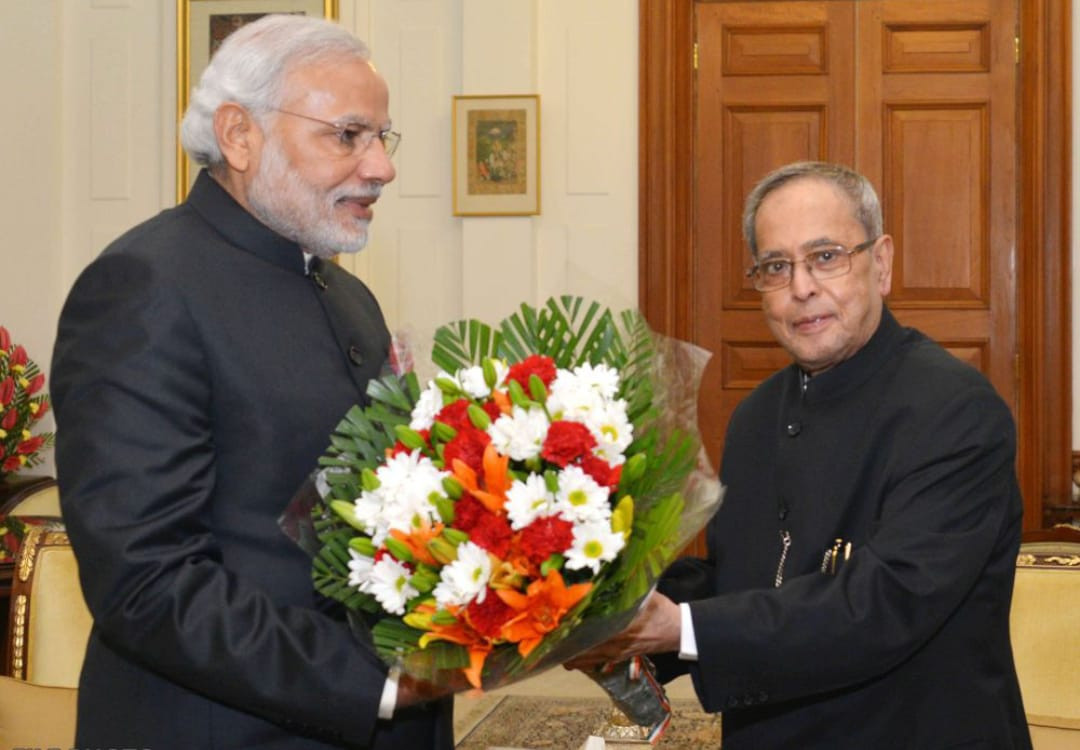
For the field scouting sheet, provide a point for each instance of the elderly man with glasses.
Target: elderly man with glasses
(201, 362)
(860, 569)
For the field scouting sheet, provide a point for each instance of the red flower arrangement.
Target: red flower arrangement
(22, 404)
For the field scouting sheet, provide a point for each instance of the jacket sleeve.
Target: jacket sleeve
(950, 496)
(136, 466)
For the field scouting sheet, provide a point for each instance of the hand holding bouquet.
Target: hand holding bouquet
(515, 509)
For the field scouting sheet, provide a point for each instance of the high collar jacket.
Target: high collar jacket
(890, 481)
(198, 373)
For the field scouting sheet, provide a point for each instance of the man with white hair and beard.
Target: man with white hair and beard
(201, 363)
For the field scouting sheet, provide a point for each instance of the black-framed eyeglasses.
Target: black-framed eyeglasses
(354, 137)
(823, 262)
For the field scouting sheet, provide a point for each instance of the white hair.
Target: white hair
(250, 67)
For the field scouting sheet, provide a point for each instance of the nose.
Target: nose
(803, 284)
(375, 164)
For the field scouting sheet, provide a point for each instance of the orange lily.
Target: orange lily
(417, 541)
(541, 609)
(502, 400)
(459, 632)
(496, 479)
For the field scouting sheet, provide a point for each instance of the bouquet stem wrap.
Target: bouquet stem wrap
(516, 509)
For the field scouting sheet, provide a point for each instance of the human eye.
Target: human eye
(776, 267)
(350, 134)
(826, 257)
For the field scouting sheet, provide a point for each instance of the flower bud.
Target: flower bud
(363, 546)
(442, 550)
(369, 480)
(453, 487)
(409, 437)
(399, 550)
(634, 467)
(622, 518)
(490, 374)
(478, 417)
(537, 388)
(443, 432)
(347, 512)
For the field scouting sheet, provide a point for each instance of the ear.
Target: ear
(238, 135)
(883, 258)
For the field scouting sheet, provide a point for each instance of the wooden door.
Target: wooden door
(918, 95)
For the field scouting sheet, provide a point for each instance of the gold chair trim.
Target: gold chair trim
(18, 638)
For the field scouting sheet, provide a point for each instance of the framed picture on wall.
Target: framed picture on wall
(496, 155)
(201, 27)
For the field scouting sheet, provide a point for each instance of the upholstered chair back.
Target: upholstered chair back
(48, 619)
(1045, 626)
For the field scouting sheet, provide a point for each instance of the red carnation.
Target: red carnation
(7, 390)
(454, 414)
(8, 420)
(603, 473)
(488, 617)
(12, 464)
(467, 512)
(491, 532)
(5, 339)
(566, 441)
(545, 537)
(468, 446)
(542, 367)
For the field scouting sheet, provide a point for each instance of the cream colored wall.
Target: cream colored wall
(89, 129)
(426, 265)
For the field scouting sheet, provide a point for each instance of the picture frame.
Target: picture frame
(496, 155)
(201, 25)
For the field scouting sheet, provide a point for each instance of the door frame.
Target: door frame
(1044, 305)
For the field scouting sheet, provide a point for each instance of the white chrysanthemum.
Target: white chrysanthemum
(526, 501)
(580, 499)
(359, 569)
(594, 544)
(402, 501)
(613, 431)
(519, 434)
(389, 584)
(427, 406)
(464, 579)
(473, 383)
(572, 398)
(601, 378)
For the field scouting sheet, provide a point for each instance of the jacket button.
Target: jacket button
(794, 429)
(356, 356)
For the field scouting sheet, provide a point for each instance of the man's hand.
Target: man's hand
(412, 691)
(656, 629)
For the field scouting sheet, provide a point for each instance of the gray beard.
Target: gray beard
(281, 200)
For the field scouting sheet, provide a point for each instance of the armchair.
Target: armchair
(1045, 628)
(44, 649)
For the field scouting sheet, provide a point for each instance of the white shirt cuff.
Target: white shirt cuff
(388, 701)
(687, 642)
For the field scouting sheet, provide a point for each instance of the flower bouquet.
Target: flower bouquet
(20, 408)
(515, 509)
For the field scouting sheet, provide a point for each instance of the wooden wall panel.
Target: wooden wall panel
(935, 202)
(943, 48)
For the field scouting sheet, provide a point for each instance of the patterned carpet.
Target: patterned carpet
(543, 723)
